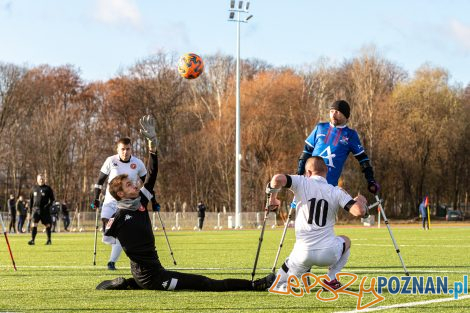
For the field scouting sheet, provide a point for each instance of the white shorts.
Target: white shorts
(301, 260)
(108, 210)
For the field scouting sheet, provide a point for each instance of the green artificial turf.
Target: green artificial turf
(62, 278)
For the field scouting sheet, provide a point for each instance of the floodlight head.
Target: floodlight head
(247, 5)
(232, 4)
(248, 17)
(240, 5)
(231, 16)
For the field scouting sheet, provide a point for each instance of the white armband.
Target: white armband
(146, 193)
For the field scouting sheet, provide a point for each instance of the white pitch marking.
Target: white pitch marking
(406, 305)
(405, 245)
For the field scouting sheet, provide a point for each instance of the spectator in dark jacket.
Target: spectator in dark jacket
(201, 214)
(12, 212)
(65, 216)
(22, 213)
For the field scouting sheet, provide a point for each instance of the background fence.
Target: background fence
(85, 221)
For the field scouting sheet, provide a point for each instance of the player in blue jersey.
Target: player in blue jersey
(334, 141)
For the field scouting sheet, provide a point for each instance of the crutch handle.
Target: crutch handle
(373, 205)
(95, 204)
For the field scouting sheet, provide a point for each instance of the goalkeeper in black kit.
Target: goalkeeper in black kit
(132, 226)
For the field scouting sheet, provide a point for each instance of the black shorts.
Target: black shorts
(42, 215)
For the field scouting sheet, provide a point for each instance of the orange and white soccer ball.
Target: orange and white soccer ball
(190, 66)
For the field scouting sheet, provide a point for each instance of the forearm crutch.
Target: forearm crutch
(260, 241)
(289, 216)
(96, 234)
(381, 210)
(166, 237)
(156, 208)
(8, 243)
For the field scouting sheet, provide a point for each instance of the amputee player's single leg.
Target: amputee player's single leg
(107, 212)
(342, 247)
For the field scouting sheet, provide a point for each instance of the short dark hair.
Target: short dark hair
(124, 140)
(115, 186)
(317, 165)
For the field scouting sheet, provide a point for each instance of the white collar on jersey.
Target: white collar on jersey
(319, 178)
(342, 126)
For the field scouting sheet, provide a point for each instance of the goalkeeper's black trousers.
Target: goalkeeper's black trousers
(156, 277)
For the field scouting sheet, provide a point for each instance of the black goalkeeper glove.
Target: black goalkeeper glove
(373, 186)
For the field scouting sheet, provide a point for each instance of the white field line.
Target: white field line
(345, 270)
(405, 245)
(407, 305)
(440, 239)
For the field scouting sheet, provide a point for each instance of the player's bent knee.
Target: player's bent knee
(347, 242)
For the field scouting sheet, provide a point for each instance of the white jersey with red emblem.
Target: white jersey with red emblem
(317, 206)
(113, 167)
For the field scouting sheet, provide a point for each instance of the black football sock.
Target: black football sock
(48, 231)
(34, 231)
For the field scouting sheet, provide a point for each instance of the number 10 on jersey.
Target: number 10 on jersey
(318, 210)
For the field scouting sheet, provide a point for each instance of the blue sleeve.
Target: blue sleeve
(310, 141)
(355, 144)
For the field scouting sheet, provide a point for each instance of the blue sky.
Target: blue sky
(100, 37)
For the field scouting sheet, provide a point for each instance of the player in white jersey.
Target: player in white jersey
(121, 163)
(317, 206)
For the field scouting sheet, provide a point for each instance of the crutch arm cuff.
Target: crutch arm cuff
(270, 190)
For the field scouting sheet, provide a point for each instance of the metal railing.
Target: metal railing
(85, 221)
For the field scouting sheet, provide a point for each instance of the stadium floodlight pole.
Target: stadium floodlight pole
(8, 243)
(381, 209)
(240, 9)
